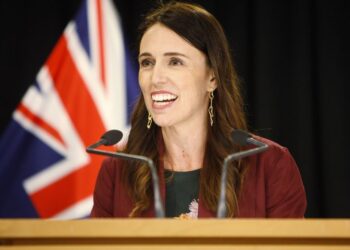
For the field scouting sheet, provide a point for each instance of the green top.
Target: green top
(182, 190)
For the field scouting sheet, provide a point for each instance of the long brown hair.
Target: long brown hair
(204, 32)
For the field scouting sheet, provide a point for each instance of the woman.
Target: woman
(190, 104)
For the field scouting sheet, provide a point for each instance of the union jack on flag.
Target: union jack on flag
(86, 87)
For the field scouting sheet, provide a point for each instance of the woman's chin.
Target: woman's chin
(163, 124)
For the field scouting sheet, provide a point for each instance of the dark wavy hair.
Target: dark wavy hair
(201, 29)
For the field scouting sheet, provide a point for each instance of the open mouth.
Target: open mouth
(163, 99)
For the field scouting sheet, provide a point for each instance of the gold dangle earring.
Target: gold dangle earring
(149, 120)
(210, 109)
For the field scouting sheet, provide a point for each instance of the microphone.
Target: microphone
(241, 138)
(112, 137)
(109, 138)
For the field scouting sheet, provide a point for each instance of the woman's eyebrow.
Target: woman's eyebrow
(165, 54)
(175, 54)
(144, 54)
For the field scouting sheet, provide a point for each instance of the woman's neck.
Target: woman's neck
(184, 148)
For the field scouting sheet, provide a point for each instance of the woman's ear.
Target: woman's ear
(212, 82)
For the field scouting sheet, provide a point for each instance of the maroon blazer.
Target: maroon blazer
(272, 188)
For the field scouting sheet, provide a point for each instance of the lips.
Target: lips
(163, 99)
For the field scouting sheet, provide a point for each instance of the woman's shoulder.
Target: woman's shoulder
(111, 162)
(276, 166)
(275, 154)
(275, 175)
(111, 166)
(273, 145)
(106, 183)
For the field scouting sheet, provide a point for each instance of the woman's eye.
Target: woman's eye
(145, 63)
(175, 61)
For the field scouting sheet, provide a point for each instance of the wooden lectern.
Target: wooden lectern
(175, 234)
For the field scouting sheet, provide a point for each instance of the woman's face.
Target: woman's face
(174, 77)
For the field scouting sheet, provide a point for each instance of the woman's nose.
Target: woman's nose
(158, 74)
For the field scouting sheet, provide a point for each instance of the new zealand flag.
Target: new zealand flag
(86, 87)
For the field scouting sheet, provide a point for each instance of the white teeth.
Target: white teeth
(163, 97)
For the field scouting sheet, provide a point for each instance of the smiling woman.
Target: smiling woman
(174, 76)
(190, 105)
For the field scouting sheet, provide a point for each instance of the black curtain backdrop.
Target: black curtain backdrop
(292, 58)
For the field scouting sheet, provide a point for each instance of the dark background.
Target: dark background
(292, 58)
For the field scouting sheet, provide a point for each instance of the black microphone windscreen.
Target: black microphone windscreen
(240, 137)
(112, 137)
